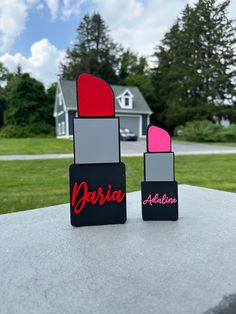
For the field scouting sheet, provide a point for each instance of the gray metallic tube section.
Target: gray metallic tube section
(159, 167)
(96, 140)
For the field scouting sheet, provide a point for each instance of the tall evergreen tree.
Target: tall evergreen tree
(93, 51)
(195, 73)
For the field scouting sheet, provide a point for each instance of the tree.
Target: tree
(4, 74)
(134, 71)
(93, 51)
(50, 100)
(131, 64)
(26, 101)
(194, 76)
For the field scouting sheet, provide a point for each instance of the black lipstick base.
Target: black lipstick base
(159, 200)
(97, 194)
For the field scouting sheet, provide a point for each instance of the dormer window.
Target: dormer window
(125, 100)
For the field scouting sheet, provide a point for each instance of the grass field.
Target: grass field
(15, 146)
(38, 183)
(47, 146)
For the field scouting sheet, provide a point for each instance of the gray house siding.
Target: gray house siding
(72, 115)
(133, 116)
(144, 124)
(131, 122)
(59, 120)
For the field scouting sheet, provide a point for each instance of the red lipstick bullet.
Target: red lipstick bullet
(159, 188)
(97, 177)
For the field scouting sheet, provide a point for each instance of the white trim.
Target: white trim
(129, 112)
(127, 115)
(63, 130)
(60, 113)
(59, 128)
(122, 97)
(64, 103)
(63, 136)
(67, 122)
(55, 103)
(59, 93)
(120, 112)
(60, 100)
(126, 91)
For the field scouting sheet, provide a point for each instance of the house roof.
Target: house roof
(139, 103)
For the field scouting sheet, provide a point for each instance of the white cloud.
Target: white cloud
(42, 64)
(12, 21)
(53, 6)
(71, 7)
(138, 24)
(141, 24)
(14, 13)
(64, 9)
(40, 6)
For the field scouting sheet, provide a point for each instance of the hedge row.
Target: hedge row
(206, 131)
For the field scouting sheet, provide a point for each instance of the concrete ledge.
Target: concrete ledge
(47, 266)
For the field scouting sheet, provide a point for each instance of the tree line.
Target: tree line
(26, 107)
(192, 75)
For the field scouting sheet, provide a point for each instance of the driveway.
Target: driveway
(180, 148)
(137, 149)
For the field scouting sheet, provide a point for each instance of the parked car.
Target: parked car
(127, 135)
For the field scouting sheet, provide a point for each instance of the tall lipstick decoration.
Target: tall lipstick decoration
(97, 177)
(159, 188)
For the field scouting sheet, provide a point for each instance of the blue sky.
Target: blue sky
(35, 33)
(41, 24)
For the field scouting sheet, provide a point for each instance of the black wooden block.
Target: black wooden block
(97, 194)
(159, 200)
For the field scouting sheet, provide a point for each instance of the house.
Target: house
(130, 107)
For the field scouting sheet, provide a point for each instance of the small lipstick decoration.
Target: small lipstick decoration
(97, 177)
(159, 188)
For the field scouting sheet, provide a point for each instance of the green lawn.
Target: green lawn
(38, 183)
(46, 146)
(14, 146)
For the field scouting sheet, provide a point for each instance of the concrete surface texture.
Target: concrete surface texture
(138, 148)
(188, 266)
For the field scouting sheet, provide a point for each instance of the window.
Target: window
(125, 100)
(63, 128)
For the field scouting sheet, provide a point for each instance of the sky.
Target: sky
(36, 33)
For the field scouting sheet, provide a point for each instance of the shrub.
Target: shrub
(229, 133)
(31, 130)
(201, 131)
